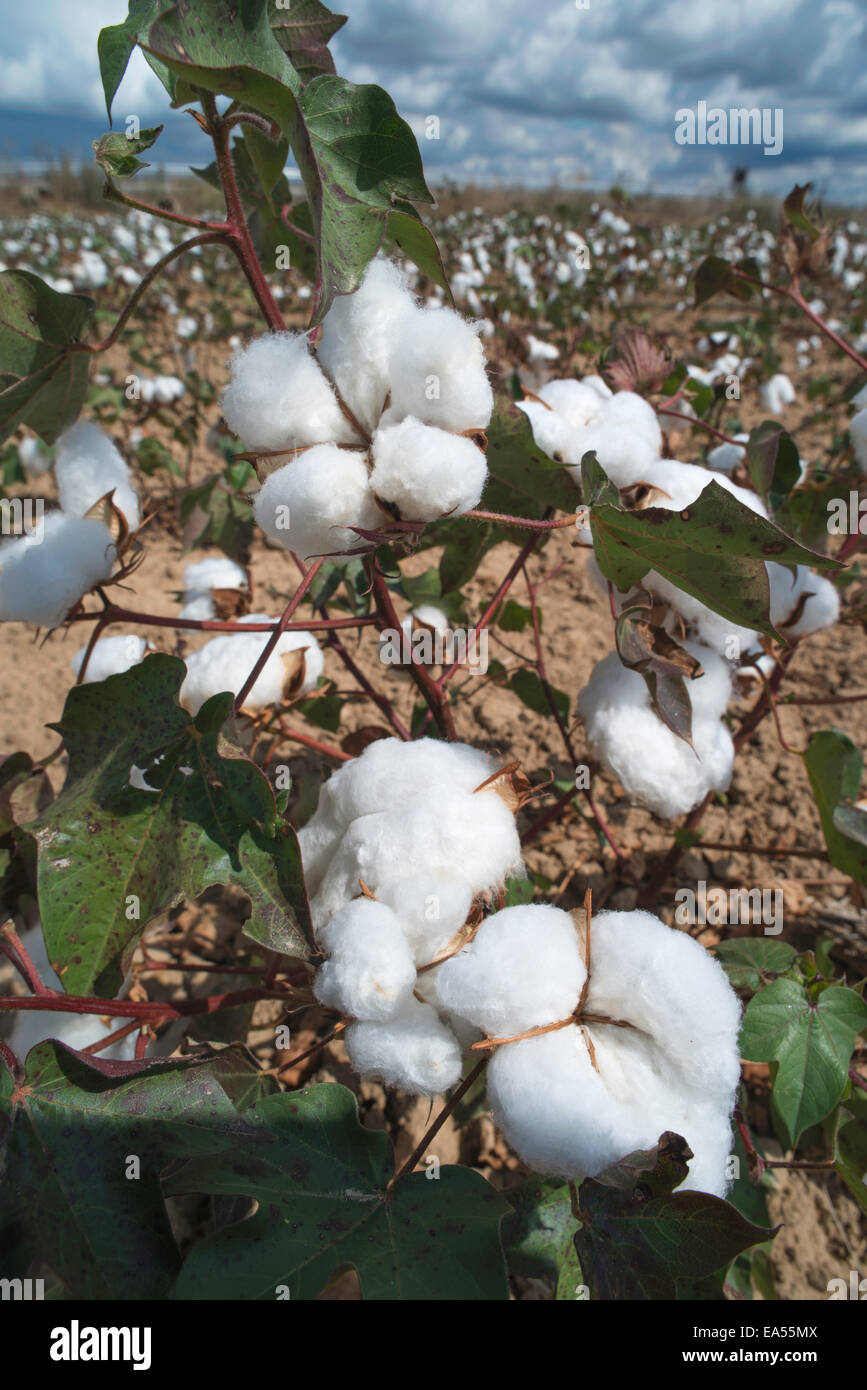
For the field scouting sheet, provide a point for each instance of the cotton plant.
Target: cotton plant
(379, 426)
(292, 669)
(571, 417)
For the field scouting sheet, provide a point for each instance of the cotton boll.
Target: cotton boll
(370, 972)
(657, 768)
(624, 455)
(430, 616)
(110, 657)
(551, 431)
(311, 504)
(442, 830)
(202, 609)
(318, 841)
(413, 1052)
(426, 472)
(578, 403)
(821, 609)
(431, 909)
(668, 986)
(359, 333)
(631, 412)
(858, 436)
(39, 583)
(437, 372)
(226, 661)
(523, 968)
(599, 385)
(87, 466)
(214, 572)
(32, 456)
(727, 456)
(777, 393)
(278, 397)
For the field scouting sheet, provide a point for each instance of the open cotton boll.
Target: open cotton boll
(370, 972)
(858, 436)
(32, 456)
(39, 583)
(413, 1052)
(668, 986)
(311, 504)
(430, 616)
(391, 773)
(599, 385)
(523, 968)
(777, 393)
(657, 768)
(110, 657)
(214, 572)
(87, 466)
(279, 398)
(426, 472)
(727, 456)
(631, 412)
(225, 662)
(821, 609)
(431, 908)
(358, 338)
(578, 403)
(442, 830)
(317, 841)
(551, 431)
(437, 372)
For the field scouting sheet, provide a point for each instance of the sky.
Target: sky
(574, 92)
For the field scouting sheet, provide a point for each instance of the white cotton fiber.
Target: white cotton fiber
(226, 661)
(578, 403)
(39, 583)
(441, 830)
(551, 431)
(631, 412)
(437, 372)
(359, 334)
(658, 769)
(599, 385)
(727, 456)
(429, 616)
(278, 397)
(426, 472)
(413, 1052)
(431, 909)
(33, 456)
(110, 657)
(369, 973)
(87, 466)
(214, 572)
(523, 968)
(776, 394)
(821, 609)
(858, 436)
(677, 1067)
(311, 504)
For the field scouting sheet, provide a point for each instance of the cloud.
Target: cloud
(531, 93)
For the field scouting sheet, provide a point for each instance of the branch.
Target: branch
(148, 279)
(276, 634)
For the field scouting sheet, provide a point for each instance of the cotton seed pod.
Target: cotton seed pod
(426, 473)
(414, 1051)
(369, 974)
(312, 503)
(279, 398)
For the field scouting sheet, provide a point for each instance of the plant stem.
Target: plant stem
(454, 1100)
(150, 1012)
(526, 523)
(702, 425)
(277, 632)
(114, 614)
(429, 688)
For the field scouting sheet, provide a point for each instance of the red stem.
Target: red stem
(277, 632)
(114, 614)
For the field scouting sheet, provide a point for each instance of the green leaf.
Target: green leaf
(116, 153)
(793, 209)
(409, 235)
(320, 1181)
(303, 29)
(528, 686)
(850, 1146)
(522, 480)
(834, 766)
(362, 158)
(715, 549)
(323, 710)
(639, 1237)
(716, 275)
(72, 1128)
(812, 1042)
(746, 959)
(116, 42)
(43, 375)
(514, 617)
(773, 463)
(539, 1235)
(112, 856)
(212, 515)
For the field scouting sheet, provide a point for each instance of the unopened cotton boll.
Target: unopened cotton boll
(370, 972)
(311, 504)
(111, 656)
(359, 333)
(431, 909)
(87, 466)
(39, 583)
(656, 768)
(426, 472)
(226, 661)
(413, 1051)
(279, 398)
(523, 968)
(437, 372)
